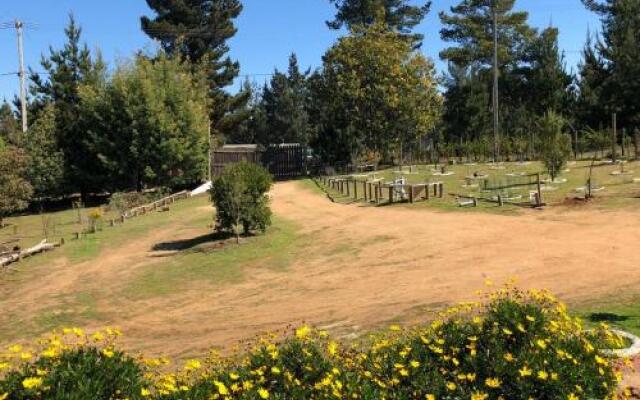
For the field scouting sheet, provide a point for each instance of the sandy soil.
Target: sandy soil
(362, 268)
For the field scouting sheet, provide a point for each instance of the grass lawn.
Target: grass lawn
(618, 190)
(621, 312)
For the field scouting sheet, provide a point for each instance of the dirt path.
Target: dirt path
(364, 267)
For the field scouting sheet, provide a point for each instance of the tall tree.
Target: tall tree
(199, 30)
(398, 15)
(45, 169)
(621, 54)
(548, 84)
(470, 27)
(591, 109)
(376, 93)
(67, 70)
(149, 124)
(284, 102)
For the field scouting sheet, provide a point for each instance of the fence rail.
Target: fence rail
(379, 192)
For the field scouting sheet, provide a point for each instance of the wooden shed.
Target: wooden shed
(286, 160)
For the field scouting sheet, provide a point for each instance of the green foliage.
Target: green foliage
(374, 93)
(78, 374)
(514, 345)
(398, 15)
(555, 145)
(67, 70)
(240, 197)
(46, 162)
(284, 106)
(9, 127)
(15, 190)
(198, 31)
(149, 124)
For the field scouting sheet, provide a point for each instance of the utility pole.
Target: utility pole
(496, 121)
(23, 89)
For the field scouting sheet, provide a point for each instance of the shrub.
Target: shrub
(514, 345)
(240, 197)
(73, 366)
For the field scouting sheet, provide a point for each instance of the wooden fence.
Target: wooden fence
(379, 192)
(283, 161)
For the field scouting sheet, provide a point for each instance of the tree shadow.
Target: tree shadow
(607, 317)
(188, 244)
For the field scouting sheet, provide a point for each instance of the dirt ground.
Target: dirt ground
(362, 268)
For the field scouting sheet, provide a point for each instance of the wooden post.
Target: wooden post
(376, 189)
(441, 189)
(411, 194)
(475, 202)
(61, 241)
(427, 193)
(122, 218)
(614, 138)
(348, 188)
(112, 223)
(500, 202)
(355, 189)
(539, 202)
(391, 194)
(76, 235)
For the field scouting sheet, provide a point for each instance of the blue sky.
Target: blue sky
(269, 30)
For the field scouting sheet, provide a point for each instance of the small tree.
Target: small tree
(240, 197)
(555, 145)
(15, 190)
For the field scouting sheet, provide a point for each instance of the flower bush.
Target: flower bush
(513, 345)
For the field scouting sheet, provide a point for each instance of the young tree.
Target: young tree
(554, 143)
(67, 70)
(198, 30)
(240, 197)
(150, 123)
(398, 15)
(45, 170)
(15, 190)
(379, 94)
(284, 103)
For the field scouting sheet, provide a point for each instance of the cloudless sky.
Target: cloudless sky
(268, 31)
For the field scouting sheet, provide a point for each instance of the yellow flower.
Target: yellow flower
(31, 383)
(509, 357)
(16, 348)
(264, 393)
(493, 382)
(26, 355)
(275, 370)
(414, 364)
(222, 389)
(543, 375)
(451, 386)
(332, 348)
(192, 365)
(395, 328)
(301, 333)
(4, 396)
(234, 376)
(479, 396)
(507, 331)
(107, 353)
(145, 392)
(430, 397)
(541, 343)
(4, 365)
(524, 371)
(573, 397)
(530, 318)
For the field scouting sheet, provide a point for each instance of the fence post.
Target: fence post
(391, 194)
(348, 188)
(355, 189)
(411, 194)
(441, 188)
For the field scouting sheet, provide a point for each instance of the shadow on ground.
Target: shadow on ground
(607, 317)
(191, 243)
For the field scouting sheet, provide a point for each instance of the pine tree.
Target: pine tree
(9, 127)
(398, 15)
(470, 26)
(621, 54)
(548, 85)
(284, 102)
(68, 69)
(590, 108)
(198, 30)
(45, 169)
(15, 190)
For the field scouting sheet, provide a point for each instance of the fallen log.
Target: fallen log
(39, 248)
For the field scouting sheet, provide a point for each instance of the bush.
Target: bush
(73, 366)
(240, 197)
(555, 145)
(512, 346)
